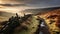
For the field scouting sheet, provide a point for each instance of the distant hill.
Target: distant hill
(35, 11)
(5, 16)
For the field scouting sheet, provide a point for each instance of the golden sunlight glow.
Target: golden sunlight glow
(9, 2)
(0, 1)
(18, 10)
(11, 9)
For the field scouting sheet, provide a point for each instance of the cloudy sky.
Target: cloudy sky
(19, 5)
(33, 3)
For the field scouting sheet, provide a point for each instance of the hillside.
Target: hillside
(31, 23)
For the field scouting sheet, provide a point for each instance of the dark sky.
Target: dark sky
(44, 3)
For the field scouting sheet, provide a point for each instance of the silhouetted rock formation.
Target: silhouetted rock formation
(12, 23)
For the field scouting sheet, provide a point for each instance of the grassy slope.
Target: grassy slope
(34, 23)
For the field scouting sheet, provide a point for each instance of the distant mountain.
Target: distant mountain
(35, 11)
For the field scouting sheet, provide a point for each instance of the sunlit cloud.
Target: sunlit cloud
(32, 3)
(14, 1)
